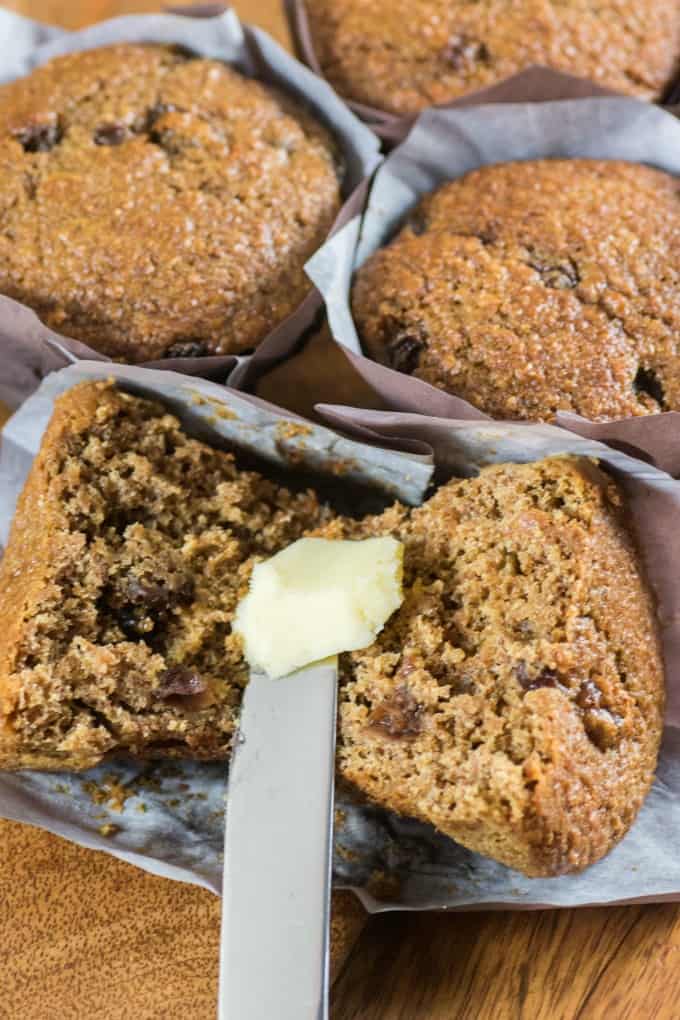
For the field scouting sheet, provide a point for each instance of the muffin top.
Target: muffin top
(528, 288)
(154, 204)
(404, 55)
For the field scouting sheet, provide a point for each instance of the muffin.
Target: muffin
(158, 205)
(515, 701)
(528, 288)
(403, 56)
(131, 546)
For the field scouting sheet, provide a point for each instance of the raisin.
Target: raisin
(557, 274)
(589, 695)
(110, 134)
(132, 623)
(399, 716)
(647, 381)
(525, 630)
(185, 590)
(187, 349)
(403, 352)
(417, 222)
(604, 728)
(151, 595)
(463, 50)
(155, 113)
(546, 678)
(179, 681)
(40, 137)
(148, 595)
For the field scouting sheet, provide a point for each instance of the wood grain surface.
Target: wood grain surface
(83, 936)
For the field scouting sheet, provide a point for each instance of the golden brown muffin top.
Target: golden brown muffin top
(528, 288)
(157, 204)
(404, 55)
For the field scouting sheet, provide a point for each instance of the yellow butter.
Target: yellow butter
(317, 598)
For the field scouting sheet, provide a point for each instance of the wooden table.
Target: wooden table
(83, 936)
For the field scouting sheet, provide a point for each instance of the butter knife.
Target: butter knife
(278, 850)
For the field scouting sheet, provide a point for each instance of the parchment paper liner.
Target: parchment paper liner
(378, 854)
(448, 142)
(26, 44)
(535, 83)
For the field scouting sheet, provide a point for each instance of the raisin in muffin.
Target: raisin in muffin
(404, 55)
(528, 288)
(157, 205)
(131, 546)
(515, 701)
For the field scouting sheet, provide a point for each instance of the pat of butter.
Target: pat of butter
(318, 598)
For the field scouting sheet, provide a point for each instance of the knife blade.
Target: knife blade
(278, 850)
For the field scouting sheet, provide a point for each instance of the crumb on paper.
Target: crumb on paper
(343, 467)
(148, 783)
(340, 818)
(219, 409)
(292, 429)
(108, 830)
(142, 808)
(62, 788)
(111, 792)
(293, 455)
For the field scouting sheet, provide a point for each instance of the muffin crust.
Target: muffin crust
(528, 288)
(404, 55)
(157, 205)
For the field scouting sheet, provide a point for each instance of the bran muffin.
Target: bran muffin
(528, 288)
(158, 205)
(515, 701)
(404, 55)
(131, 546)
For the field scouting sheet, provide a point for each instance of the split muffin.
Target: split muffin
(514, 701)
